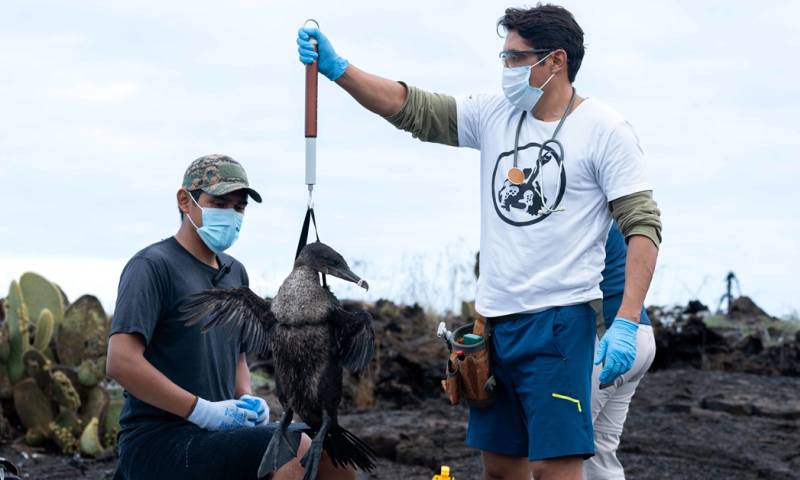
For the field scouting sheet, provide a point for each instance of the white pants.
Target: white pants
(610, 408)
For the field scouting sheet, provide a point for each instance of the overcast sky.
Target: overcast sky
(105, 103)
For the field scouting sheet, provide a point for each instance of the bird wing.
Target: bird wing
(355, 338)
(239, 306)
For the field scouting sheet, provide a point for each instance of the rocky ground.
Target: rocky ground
(683, 424)
(718, 403)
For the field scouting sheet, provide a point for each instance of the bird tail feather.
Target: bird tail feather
(344, 449)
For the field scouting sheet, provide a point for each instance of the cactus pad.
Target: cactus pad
(96, 400)
(44, 330)
(17, 322)
(38, 368)
(4, 346)
(39, 293)
(6, 389)
(91, 371)
(63, 392)
(32, 405)
(82, 334)
(63, 438)
(90, 440)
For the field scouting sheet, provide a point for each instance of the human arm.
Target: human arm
(430, 117)
(621, 175)
(377, 94)
(243, 385)
(126, 364)
(640, 221)
(640, 264)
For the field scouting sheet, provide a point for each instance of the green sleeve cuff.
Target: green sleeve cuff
(638, 214)
(430, 117)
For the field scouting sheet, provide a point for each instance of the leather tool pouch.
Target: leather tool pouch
(469, 375)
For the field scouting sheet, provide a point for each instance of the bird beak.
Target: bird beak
(347, 274)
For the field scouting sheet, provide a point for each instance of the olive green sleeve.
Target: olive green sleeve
(638, 214)
(431, 117)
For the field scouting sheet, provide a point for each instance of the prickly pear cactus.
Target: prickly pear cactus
(37, 367)
(4, 346)
(96, 400)
(63, 392)
(44, 330)
(71, 421)
(36, 437)
(82, 333)
(63, 438)
(34, 410)
(39, 294)
(111, 418)
(6, 389)
(61, 370)
(89, 442)
(92, 371)
(65, 430)
(17, 324)
(6, 431)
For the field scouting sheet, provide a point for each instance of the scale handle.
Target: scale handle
(312, 78)
(311, 97)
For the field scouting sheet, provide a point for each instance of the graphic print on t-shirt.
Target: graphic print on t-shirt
(528, 203)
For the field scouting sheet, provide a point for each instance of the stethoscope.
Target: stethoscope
(516, 176)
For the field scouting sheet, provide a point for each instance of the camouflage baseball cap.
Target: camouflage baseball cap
(217, 174)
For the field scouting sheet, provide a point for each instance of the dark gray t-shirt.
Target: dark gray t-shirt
(152, 288)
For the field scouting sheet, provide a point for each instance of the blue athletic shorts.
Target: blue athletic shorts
(543, 366)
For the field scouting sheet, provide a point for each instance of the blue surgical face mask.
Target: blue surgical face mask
(220, 227)
(517, 86)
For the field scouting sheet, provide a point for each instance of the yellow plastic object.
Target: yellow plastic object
(444, 475)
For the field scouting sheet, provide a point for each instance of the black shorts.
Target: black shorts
(182, 450)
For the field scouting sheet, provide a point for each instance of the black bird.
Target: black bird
(312, 338)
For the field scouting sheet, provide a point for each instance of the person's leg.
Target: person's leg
(502, 467)
(499, 430)
(185, 451)
(327, 470)
(564, 468)
(553, 371)
(609, 421)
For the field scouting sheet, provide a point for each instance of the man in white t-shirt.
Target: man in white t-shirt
(555, 168)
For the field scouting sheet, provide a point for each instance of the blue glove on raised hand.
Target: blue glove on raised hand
(223, 415)
(330, 64)
(617, 349)
(257, 405)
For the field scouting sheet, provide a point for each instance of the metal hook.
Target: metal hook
(311, 196)
(311, 20)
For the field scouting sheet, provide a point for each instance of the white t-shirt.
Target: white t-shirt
(531, 259)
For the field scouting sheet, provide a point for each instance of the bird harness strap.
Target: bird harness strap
(310, 217)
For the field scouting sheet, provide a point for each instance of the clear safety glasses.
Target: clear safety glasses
(518, 58)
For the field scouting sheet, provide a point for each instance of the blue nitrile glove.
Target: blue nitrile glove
(330, 64)
(617, 349)
(256, 404)
(223, 415)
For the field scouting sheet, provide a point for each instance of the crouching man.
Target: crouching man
(189, 411)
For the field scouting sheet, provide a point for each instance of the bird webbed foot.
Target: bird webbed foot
(311, 459)
(282, 447)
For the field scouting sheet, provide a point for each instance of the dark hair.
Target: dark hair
(196, 195)
(549, 27)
